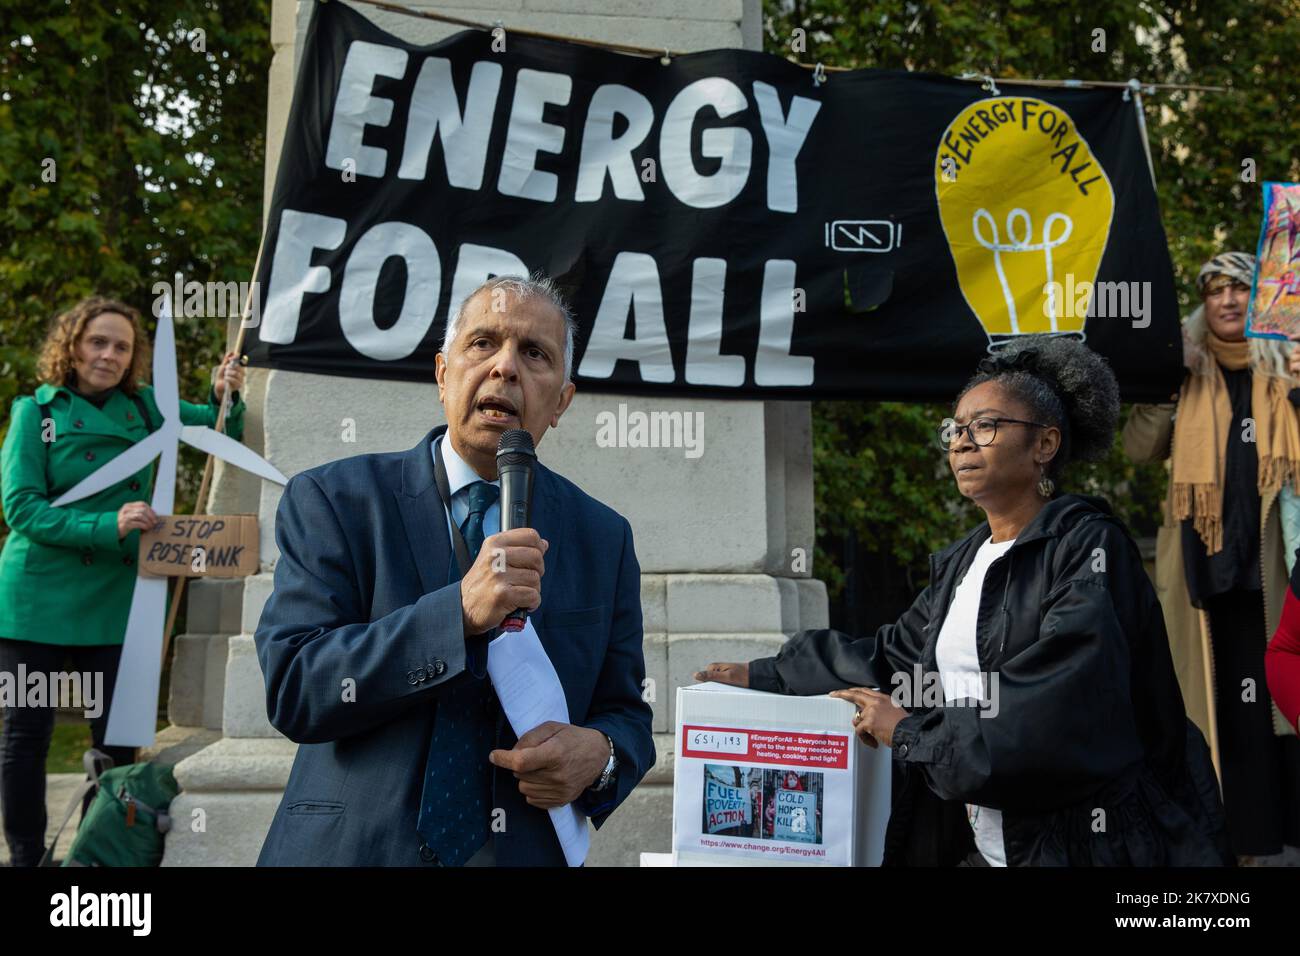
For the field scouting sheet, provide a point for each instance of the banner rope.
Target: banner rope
(819, 69)
(1135, 88)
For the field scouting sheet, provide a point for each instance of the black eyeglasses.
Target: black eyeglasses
(982, 431)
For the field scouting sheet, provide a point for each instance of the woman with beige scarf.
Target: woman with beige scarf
(1234, 441)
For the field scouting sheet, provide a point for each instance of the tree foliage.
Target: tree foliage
(132, 142)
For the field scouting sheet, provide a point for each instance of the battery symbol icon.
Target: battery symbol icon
(864, 235)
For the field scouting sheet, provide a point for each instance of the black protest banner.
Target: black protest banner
(726, 224)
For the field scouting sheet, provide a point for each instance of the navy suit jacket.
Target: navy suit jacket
(367, 598)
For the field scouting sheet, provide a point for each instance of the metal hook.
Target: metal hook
(819, 74)
(1132, 87)
(667, 58)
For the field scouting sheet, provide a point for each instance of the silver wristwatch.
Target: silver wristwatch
(610, 766)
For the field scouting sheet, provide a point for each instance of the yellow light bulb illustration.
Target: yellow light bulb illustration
(1024, 205)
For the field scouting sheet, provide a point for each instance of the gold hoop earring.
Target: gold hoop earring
(1045, 485)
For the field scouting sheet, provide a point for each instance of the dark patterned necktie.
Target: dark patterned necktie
(457, 776)
(482, 496)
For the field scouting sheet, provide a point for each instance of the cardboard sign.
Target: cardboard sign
(201, 546)
(726, 806)
(796, 816)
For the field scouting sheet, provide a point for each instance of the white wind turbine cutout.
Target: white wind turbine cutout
(133, 714)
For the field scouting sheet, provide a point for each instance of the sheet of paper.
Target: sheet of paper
(531, 694)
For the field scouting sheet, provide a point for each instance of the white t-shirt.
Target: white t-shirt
(958, 660)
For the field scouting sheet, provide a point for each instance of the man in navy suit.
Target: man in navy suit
(373, 645)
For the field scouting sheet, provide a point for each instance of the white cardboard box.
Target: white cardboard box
(769, 780)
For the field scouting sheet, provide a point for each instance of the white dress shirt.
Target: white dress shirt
(957, 656)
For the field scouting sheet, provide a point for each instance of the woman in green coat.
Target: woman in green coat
(67, 574)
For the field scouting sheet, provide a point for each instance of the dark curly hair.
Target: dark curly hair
(1064, 383)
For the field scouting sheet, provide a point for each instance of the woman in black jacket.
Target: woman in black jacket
(1059, 736)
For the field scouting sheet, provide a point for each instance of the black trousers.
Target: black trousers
(1260, 771)
(25, 740)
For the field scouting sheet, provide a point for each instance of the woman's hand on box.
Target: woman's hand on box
(737, 675)
(877, 715)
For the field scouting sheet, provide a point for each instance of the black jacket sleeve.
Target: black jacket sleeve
(816, 662)
(1062, 722)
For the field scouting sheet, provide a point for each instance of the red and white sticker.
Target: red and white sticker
(788, 748)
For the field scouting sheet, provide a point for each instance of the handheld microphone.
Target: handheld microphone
(515, 457)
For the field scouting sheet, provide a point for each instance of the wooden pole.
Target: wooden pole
(200, 504)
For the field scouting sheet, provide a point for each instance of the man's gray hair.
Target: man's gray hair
(521, 289)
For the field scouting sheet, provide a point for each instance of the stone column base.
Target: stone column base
(229, 795)
(644, 822)
(198, 681)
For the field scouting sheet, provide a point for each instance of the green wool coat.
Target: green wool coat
(65, 578)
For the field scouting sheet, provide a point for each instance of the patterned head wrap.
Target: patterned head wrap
(1223, 269)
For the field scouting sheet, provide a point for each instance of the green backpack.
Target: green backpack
(127, 819)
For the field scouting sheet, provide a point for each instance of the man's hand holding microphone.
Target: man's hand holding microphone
(507, 574)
